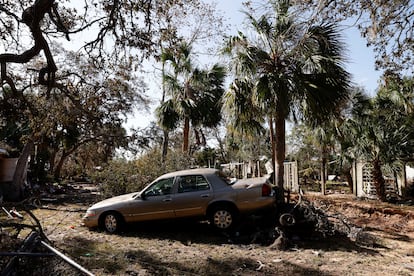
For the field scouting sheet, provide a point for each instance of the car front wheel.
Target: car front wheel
(112, 222)
(222, 218)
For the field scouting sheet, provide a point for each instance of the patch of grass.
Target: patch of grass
(95, 254)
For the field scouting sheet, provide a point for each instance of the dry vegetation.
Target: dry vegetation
(191, 248)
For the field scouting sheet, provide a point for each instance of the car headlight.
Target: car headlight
(90, 213)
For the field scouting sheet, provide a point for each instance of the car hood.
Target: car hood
(250, 182)
(113, 200)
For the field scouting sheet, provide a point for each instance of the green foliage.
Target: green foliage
(302, 147)
(64, 101)
(193, 95)
(122, 176)
(382, 130)
(208, 157)
(287, 70)
(116, 177)
(247, 147)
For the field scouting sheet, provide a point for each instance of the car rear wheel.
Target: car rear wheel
(112, 222)
(222, 218)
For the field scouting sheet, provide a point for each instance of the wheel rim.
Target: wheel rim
(287, 220)
(111, 223)
(222, 219)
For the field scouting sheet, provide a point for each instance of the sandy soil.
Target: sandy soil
(384, 247)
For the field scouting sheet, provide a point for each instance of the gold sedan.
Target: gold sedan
(201, 193)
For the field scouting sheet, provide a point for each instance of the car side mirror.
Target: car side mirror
(143, 196)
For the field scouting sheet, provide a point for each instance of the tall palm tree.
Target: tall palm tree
(291, 71)
(194, 94)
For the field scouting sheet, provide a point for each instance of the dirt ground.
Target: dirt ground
(384, 247)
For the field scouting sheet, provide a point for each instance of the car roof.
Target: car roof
(203, 171)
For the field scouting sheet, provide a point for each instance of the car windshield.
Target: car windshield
(135, 195)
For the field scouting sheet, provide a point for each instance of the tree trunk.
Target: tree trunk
(197, 137)
(20, 173)
(58, 168)
(280, 154)
(186, 135)
(52, 159)
(165, 146)
(323, 173)
(323, 181)
(166, 139)
(273, 144)
(348, 177)
(379, 180)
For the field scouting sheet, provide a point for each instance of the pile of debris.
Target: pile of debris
(27, 256)
(305, 220)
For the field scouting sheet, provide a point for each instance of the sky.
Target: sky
(360, 65)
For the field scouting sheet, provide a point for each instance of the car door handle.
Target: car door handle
(204, 196)
(167, 199)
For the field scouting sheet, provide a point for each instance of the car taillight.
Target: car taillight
(266, 190)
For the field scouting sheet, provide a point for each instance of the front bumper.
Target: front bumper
(90, 219)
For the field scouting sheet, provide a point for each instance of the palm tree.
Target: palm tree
(194, 94)
(382, 132)
(357, 104)
(290, 71)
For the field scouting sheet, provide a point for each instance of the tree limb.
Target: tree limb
(32, 17)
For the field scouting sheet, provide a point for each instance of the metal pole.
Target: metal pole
(67, 259)
(7, 212)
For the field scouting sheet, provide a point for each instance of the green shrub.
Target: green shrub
(122, 176)
(114, 178)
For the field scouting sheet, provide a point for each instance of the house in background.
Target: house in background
(8, 190)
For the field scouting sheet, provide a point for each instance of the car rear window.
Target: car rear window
(225, 177)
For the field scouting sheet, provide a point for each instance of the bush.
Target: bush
(122, 176)
(115, 177)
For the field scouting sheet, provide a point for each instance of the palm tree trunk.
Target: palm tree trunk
(166, 133)
(197, 137)
(165, 146)
(323, 178)
(280, 154)
(323, 172)
(186, 135)
(273, 144)
(379, 181)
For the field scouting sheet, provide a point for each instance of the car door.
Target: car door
(193, 194)
(155, 203)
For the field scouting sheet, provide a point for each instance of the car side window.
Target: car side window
(191, 183)
(161, 187)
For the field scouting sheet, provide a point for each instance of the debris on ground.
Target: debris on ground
(22, 256)
(305, 220)
(318, 235)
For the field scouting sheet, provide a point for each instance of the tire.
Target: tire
(112, 222)
(222, 218)
(287, 219)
